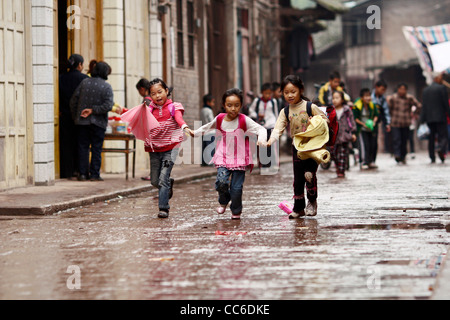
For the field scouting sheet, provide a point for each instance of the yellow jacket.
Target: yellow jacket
(311, 143)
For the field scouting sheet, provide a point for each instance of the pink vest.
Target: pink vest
(232, 148)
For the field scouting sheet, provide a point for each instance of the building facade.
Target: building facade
(196, 46)
(384, 52)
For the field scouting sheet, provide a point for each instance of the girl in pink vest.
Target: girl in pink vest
(234, 155)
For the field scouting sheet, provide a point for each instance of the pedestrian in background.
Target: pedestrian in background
(346, 134)
(68, 134)
(165, 142)
(366, 116)
(305, 171)
(233, 155)
(379, 99)
(326, 91)
(90, 105)
(278, 96)
(264, 111)
(401, 107)
(143, 88)
(434, 113)
(207, 116)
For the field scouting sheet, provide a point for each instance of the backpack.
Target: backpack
(333, 126)
(274, 106)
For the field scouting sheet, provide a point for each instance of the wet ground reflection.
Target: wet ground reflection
(125, 252)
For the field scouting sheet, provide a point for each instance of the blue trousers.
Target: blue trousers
(161, 165)
(230, 186)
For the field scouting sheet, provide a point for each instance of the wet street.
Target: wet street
(378, 235)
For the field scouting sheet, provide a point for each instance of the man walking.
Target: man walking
(400, 107)
(434, 113)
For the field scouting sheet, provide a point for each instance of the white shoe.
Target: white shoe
(221, 209)
(311, 209)
(295, 215)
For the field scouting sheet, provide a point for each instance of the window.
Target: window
(191, 30)
(180, 47)
(357, 33)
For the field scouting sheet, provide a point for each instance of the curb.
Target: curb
(47, 210)
(51, 209)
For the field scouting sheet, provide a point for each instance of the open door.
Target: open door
(86, 40)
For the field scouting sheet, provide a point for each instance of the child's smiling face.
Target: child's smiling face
(233, 107)
(367, 98)
(292, 94)
(159, 94)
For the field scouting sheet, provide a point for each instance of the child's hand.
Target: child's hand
(262, 144)
(189, 132)
(269, 143)
(354, 138)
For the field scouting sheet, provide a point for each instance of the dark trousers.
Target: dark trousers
(68, 147)
(300, 168)
(388, 148)
(437, 131)
(90, 138)
(367, 147)
(400, 137)
(208, 149)
(412, 144)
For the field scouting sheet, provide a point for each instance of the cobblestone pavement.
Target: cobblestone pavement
(378, 235)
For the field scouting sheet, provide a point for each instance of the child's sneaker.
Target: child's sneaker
(311, 209)
(373, 166)
(295, 215)
(221, 209)
(236, 216)
(163, 214)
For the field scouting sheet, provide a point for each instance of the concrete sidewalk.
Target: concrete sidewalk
(66, 194)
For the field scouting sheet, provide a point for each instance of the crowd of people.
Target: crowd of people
(327, 128)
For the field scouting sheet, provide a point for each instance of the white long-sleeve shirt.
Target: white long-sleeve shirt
(230, 126)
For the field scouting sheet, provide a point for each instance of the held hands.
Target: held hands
(189, 132)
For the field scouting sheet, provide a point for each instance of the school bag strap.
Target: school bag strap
(170, 106)
(308, 109)
(219, 121)
(274, 106)
(242, 121)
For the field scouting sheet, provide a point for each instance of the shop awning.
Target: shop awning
(432, 46)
